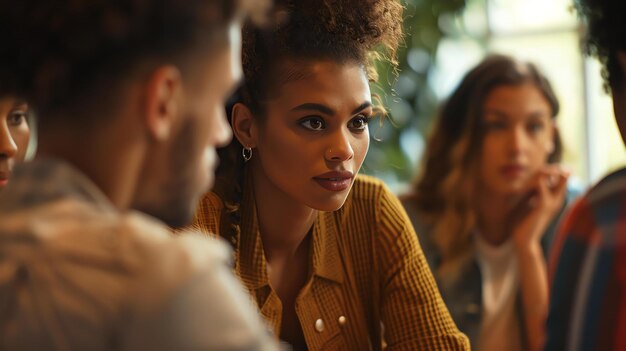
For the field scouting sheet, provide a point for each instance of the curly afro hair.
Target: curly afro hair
(362, 31)
(65, 55)
(606, 35)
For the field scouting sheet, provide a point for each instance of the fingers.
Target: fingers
(560, 188)
(552, 186)
(555, 176)
(543, 201)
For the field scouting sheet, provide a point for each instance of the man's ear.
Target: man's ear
(162, 104)
(244, 126)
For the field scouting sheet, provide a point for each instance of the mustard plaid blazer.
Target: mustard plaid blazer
(369, 278)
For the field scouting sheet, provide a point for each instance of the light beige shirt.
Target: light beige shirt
(75, 274)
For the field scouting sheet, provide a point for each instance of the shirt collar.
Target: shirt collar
(326, 258)
(47, 179)
(252, 266)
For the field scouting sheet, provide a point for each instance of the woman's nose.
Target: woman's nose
(8, 148)
(340, 149)
(517, 140)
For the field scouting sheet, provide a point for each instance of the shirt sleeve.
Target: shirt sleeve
(208, 311)
(413, 313)
(587, 274)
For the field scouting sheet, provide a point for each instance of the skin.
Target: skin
(14, 136)
(518, 138)
(619, 98)
(520, 192)
(314, 124)
(131, 155)
(181, 170)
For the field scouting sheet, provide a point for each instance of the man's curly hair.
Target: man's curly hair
(61, 53)
(606, 35)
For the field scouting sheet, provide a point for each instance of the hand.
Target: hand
(534, 212)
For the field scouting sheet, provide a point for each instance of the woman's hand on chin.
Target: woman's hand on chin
(534, 212)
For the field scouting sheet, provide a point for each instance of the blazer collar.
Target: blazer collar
(327, 262)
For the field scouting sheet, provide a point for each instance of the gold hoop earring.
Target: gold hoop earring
(246, 153)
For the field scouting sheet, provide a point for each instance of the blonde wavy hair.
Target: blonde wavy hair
(445, 190)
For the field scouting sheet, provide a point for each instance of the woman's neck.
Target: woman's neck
(283, 222)
(494, 216)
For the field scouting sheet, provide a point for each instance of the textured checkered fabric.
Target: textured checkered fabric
(368, 274)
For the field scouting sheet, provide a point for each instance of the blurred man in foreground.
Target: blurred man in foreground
(130, 99)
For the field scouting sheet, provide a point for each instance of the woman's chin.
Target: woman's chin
(516, 187)
(329, 205)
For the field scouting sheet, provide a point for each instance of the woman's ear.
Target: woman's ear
(244, 126)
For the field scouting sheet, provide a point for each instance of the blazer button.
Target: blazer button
(319, 325)
(342, 321)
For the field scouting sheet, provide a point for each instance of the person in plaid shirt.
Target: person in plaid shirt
(588, 262)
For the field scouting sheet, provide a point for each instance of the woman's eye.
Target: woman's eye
(313, 123)
(535, 127)
(359, 123)
(16, 118)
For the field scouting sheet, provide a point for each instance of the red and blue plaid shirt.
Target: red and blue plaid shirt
(588, 270)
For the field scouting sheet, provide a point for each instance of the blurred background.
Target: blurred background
(446, 38)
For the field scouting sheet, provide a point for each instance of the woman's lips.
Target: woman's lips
(335, 181)
(513, 171)
(4, 178)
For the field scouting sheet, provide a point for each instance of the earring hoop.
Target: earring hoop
(246, 153)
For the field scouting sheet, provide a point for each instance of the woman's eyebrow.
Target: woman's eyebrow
(496, 112)
(362, 107)
(19, 102)
(310, 106)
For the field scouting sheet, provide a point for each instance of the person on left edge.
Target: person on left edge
(14, 136)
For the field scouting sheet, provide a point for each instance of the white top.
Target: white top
(498, 266)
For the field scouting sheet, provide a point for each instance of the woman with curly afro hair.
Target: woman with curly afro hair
(329, 256)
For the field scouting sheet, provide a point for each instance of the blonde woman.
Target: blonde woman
(488, 194)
